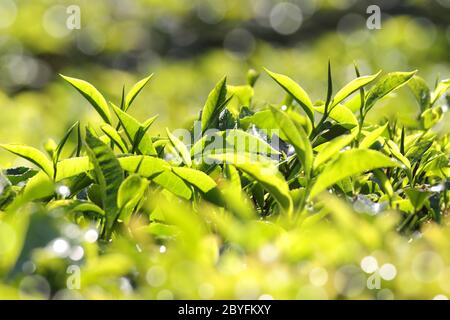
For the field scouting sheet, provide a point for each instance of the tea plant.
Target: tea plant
(240, 175)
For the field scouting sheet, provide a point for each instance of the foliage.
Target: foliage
(235, 223)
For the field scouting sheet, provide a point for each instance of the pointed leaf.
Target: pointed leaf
(131, 191)
(372, 137)
(353, 86)
(332, 148)
(297, 137)
(299, 94)
(196, 178)
(350, 163)
(385, 85)
(131, 127)
(245, 142)
(214, 104)
(114, 136)
(109, 175)
(31, 154)
(265, 173)
(421, 92)
(91, 94)
(132, 94)
(441, 88)
(181, 148)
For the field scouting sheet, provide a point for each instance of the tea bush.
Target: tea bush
(300, 199)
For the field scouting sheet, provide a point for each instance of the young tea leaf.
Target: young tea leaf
(135, 90)
(109, 175)
(299, 94)
(92, 95)
(265, 173)
(350, 163)
(115, 137)
(181, 148)
(353, 86)
(131, 127)
(297, 137)
(441, 88)
(385, 85)
(196, 178)
(214, 105)
(33, 155)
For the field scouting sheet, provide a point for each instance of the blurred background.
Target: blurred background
(191, 44)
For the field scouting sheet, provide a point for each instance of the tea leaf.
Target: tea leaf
(263, 172)
(299, 94)
(130, 193)
(196, 178)
(385, 85)
(131, 127)
(245, 142)
(114, 136)
(297, 137)
(92, 95)
(421, 92)
(174, 184)
(372, 137)
(441, 88)
(135, 90)
(340, 113)
(332, 148)
(348, 164)
(33, 155)
(181, 148)
(214, 105)
(353, 86)
(109, 175)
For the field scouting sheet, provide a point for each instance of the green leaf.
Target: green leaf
(420, 91)
(339, 113)
(353, 86)
(181, 148)
(264, 120)
(417, 197)
(263, 172)
(71, 167)
(115, 137)
(385, 85)
(131, 127)
(142, 131)
(145, 166)
(242, 96)
(384, 182)
(92, 95)
(331, 149)
(395, 150)
(372, 137)
(214, 105)
(76, 206)
(19, 174)
(347, 164)
(299, 94)
(245, 142)
(173, 183)
(109, 175)
(132, 94)
(297, 137)
(63, 141)
(196, 178)
(31, 154)
(130, 193)
(441, 88)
